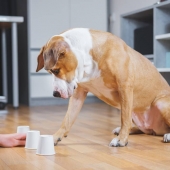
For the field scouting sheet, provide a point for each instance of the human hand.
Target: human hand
(11, 140)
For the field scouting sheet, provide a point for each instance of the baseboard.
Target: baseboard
(58, 101)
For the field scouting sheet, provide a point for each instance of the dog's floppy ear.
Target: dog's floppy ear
(40, 60)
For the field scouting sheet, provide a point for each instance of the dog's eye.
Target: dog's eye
(55, 71)
(61, 55)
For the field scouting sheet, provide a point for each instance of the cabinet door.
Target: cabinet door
(89, 14)
(41, 86)
(47, 18)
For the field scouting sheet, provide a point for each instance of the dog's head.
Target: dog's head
(57, 58)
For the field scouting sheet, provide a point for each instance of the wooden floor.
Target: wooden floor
(86, 147)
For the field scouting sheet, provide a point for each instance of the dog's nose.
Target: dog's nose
(56, 94)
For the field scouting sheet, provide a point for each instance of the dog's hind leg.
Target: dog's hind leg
(162, 122)
(133, 130)
(75, 104)
(163, 105)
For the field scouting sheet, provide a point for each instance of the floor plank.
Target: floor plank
(3, 166)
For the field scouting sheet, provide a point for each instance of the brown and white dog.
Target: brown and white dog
(83, 60)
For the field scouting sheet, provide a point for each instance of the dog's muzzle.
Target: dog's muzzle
(56, 94)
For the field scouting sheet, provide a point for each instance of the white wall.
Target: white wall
(119, 7)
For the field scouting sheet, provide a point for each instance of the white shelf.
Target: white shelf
(163, 37)
(3, 99)
(149, 56)
(89, 94)
(163, 69)
(3, 111)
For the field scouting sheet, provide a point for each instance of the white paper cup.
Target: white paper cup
(32, 139)
(23, 129)
(46, 145)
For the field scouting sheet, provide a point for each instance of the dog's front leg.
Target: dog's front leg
(126, 97)
(75, 104)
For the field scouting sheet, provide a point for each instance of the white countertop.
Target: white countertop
(163, 69)
(11, 19)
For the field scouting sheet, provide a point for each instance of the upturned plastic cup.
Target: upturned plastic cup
(32, 139)
(23, 129)
(46, 145)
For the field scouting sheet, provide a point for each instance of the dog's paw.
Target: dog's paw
(166, 137)
(56, 139)
(59, 135)
(116, 131)
(117, 142)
